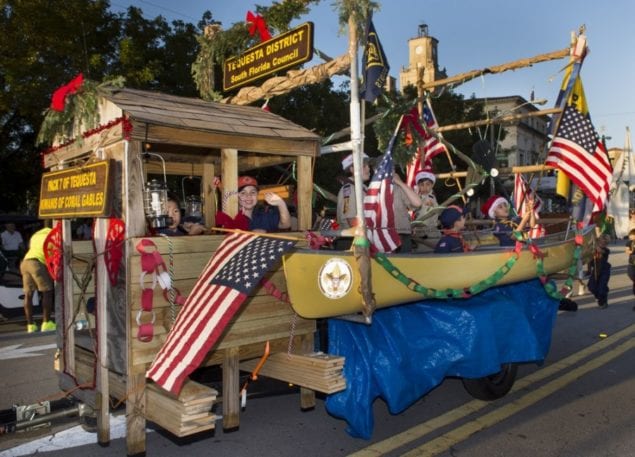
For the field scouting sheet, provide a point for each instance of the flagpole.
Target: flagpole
(360, 243)
(355, 116)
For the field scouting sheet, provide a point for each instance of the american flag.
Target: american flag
(577, 150)
(413, 166)
(378, 206)
(235, 269)
(432, 146)
(521, 192)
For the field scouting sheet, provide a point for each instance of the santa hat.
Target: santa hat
(347, 162)
(490, 205)
(426, 173)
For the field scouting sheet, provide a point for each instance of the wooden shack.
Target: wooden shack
(107, 361)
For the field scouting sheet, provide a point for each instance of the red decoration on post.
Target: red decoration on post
(113, 251)
(58, 101)
(53, 252)
(258, 23)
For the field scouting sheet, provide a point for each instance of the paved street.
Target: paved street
(581, 402)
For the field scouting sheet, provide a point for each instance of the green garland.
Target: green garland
(81, 109)
(494, 278)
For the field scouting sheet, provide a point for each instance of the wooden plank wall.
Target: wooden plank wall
(261, 318)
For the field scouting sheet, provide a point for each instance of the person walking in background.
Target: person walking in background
(12, 245)
(630, 251)
(36, 278)
(600, 271)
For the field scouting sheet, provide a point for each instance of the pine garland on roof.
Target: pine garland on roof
(81, 108)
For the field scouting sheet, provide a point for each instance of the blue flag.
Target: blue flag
(374, 65)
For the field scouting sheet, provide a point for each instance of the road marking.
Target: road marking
(420, 430)
(459, 434)
(17, 352)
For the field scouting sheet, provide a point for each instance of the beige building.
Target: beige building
(526, 138)
(422, 57)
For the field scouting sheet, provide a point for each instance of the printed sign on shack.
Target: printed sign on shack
(76, 192)
(283, 51)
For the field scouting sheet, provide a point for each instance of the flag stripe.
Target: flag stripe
(432, 146)
(206, 333)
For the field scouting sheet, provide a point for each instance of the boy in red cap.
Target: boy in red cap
(498, 208)
(252, 216)
(262, 219)
(452, 221)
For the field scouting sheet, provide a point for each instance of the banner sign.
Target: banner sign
(283, 51)
(76, 192)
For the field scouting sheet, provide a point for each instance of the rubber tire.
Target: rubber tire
(494, 386)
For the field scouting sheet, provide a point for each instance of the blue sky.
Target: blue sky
(476, 34)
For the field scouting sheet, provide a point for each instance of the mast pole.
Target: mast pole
(355, 115)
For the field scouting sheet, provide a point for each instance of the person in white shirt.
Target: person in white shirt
(12, 245)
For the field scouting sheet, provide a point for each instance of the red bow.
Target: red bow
(58, 101)
(258, 23)
(412, 120)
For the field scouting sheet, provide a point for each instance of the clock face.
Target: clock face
(418, 50)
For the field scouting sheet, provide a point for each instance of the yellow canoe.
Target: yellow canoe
(323, 283)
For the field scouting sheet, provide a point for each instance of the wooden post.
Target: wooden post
(305, 192)
(135, 226)
(209, 194)
(231, 388)
(69, 316)
(229, 176)
(102, 286)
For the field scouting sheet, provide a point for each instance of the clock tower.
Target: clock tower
(422, 56)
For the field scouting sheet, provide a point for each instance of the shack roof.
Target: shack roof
(191, 124)
(222, 121)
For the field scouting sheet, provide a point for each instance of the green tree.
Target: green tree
(42, 47)
(45, 44)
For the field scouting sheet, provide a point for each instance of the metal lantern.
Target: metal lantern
(192, 199)
(155, 205)
(194, 206)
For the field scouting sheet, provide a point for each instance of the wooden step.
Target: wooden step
(189, 413)
(316, 371)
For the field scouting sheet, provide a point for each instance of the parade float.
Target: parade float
(138, 313)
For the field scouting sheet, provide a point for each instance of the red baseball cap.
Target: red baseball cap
(244, 181)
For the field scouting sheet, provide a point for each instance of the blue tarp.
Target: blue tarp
(409, 349)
